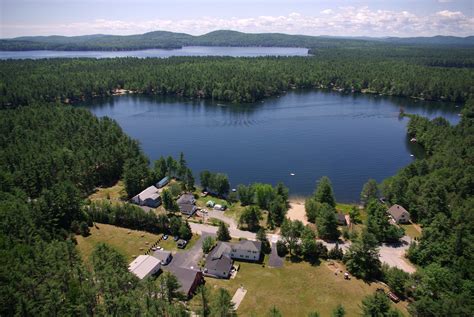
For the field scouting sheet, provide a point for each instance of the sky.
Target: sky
(374, 18)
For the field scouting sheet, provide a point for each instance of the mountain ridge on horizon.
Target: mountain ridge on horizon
(173, 40)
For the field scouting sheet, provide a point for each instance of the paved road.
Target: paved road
(393, 255)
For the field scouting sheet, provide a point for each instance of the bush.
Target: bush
(84, 229)
(282, 249)
(207, 244)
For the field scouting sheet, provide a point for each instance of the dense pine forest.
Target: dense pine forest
(171, 40)
(442, 75)
(53, 155)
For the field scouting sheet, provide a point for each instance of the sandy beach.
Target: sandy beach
(297, 210)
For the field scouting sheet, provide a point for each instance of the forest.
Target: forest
(171, 40)
(419, 73)
(53, 155)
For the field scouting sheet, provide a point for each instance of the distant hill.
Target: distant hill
(170, 40)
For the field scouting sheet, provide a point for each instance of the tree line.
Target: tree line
(238, 80)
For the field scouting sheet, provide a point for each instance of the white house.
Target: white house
(219, 261)
(246, 250)
(149, 197)
(144, 266)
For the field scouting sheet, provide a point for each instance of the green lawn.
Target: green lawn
(115, 193)
(411, 231)
(296, 289)
(129, 243)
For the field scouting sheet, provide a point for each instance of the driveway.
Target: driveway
(394, 255)
(220, 215)
(189, 258)
(274, 260)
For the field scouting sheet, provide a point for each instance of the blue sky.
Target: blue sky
(342, 18)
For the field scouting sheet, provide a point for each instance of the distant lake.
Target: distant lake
(348, 137)
(162, 53)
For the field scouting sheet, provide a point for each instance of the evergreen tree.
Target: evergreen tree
(324, 193)
(327, 224)
(222, 305)
(223, 232)
(369, 191)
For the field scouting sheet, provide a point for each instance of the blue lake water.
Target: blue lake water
(348, 137)
(162, 53)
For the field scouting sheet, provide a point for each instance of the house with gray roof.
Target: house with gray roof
(218, 261)
(189, 279)
(149, 197)
(186, 204)
(399, 214)
(247, 250)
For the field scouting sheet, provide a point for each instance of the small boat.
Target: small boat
(292, 174)
(413, 140)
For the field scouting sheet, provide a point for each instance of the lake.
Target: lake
(348, 137)
(185, 51)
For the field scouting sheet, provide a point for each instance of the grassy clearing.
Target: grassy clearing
(115, 193)
(411, 231)
(296, 289)
(129, 243)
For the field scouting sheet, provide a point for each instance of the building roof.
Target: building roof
(187, 208)
(162, 255)
(396, 211)
(143, 265)
(220, 249)
(187, 199)
(186, 277)
(163, 181)
(218, 261)
(149, 193)
(248, 245)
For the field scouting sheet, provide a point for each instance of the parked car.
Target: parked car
(165, 237)
(181, 243)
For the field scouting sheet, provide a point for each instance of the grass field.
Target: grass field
(411, 231)
(296, 289)
(129, 243)
(115, 193)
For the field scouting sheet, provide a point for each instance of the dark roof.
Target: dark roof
(396, 211)
(186, 278)
(187, 209)
(248, 245)
(161, 255)
(221, 264)
(186, 199)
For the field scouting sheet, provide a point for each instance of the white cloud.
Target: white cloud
(344, 21)
(327, 11)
